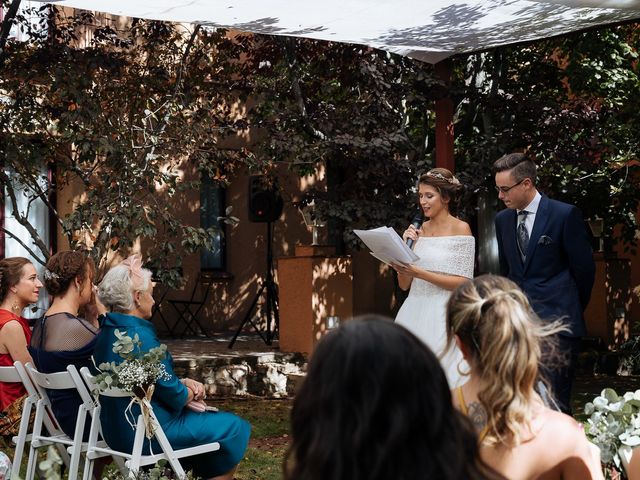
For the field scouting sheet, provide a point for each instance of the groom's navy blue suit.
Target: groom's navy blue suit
(557, 274)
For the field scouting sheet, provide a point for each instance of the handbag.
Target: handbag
(10, 417)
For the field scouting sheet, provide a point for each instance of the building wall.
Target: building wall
(375, 289)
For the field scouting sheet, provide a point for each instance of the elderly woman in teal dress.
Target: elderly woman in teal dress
(126, 291)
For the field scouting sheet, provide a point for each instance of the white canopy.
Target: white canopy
(428, 30)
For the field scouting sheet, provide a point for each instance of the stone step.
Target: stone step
(250, 368)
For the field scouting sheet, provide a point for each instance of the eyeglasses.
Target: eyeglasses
(506, 189)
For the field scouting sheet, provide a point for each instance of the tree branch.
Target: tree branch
(7, 23)
(43, 195)
(297, 91)
(4, 179)
(31, 252)
(178, 86)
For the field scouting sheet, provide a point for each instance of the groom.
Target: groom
(544, 247)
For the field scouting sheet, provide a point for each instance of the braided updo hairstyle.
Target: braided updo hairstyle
(10, 273)
(64, 267)
(502, 334)
(447, 185)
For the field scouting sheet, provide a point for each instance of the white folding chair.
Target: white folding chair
(93, 408)
(135, 459)
(55, 436)
(12, 375)
(49, 421)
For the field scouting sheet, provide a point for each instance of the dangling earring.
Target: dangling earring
(16, 308)
(459, 368)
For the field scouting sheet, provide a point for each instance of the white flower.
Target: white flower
(137, 370)
(613, 423)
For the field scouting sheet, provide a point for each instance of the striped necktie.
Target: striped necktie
(523, 234)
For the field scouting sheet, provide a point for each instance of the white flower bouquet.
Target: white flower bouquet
(614, 426)
(137, 372)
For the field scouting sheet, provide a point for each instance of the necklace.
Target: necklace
(429, 229)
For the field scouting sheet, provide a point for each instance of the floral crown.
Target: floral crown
(439, 176)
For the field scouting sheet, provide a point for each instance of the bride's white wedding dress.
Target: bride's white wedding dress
(423, 312)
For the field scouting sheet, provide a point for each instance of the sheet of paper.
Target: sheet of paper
(386, 245)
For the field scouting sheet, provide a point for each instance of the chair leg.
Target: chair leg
(33, 447)
(188, 322)
(76, 448)
(171, 457)
(136, 452)
(21, 439)
(196, 320)
(181, 319)
(93, 440)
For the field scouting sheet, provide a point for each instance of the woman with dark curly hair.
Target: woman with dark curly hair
(62, 337)
(375, 405)
(446, 249)
(19, 287)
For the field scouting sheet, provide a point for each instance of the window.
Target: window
(212, 206)
(34, 13)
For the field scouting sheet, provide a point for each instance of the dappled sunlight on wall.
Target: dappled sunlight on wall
(619, 298)
(607, 315)
(327, 298)
(313, 289)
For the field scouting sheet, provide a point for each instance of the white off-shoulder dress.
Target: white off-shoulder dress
(423, 312)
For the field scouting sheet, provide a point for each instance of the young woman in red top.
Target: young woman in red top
(19, 287)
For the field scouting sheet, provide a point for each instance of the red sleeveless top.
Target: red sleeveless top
(10, 392)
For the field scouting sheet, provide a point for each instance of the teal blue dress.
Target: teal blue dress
(184, 428)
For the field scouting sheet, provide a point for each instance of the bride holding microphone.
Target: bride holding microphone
(447, 250)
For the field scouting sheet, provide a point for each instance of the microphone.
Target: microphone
(416, 222)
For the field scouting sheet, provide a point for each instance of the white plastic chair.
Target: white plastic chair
(135, 459)
(12, 375)
(55, 436)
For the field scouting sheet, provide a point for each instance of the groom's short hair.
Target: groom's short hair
(521, 165)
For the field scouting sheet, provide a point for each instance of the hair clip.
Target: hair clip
(134, 263)
(49, 275)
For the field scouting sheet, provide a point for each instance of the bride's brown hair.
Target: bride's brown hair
(446, 184)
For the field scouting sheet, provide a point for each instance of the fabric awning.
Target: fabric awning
(426, 30)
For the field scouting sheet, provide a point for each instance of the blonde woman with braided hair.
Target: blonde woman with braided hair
(499, 335)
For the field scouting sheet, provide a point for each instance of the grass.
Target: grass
(269, 421)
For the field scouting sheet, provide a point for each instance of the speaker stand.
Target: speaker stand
(271, 301)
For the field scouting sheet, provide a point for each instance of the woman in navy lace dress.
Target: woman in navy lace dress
(62, 337)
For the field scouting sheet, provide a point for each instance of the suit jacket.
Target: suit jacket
(559, 270)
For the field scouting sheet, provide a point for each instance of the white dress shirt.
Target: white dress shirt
(532, 208)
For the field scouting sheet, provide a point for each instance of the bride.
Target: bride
(446, 249)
